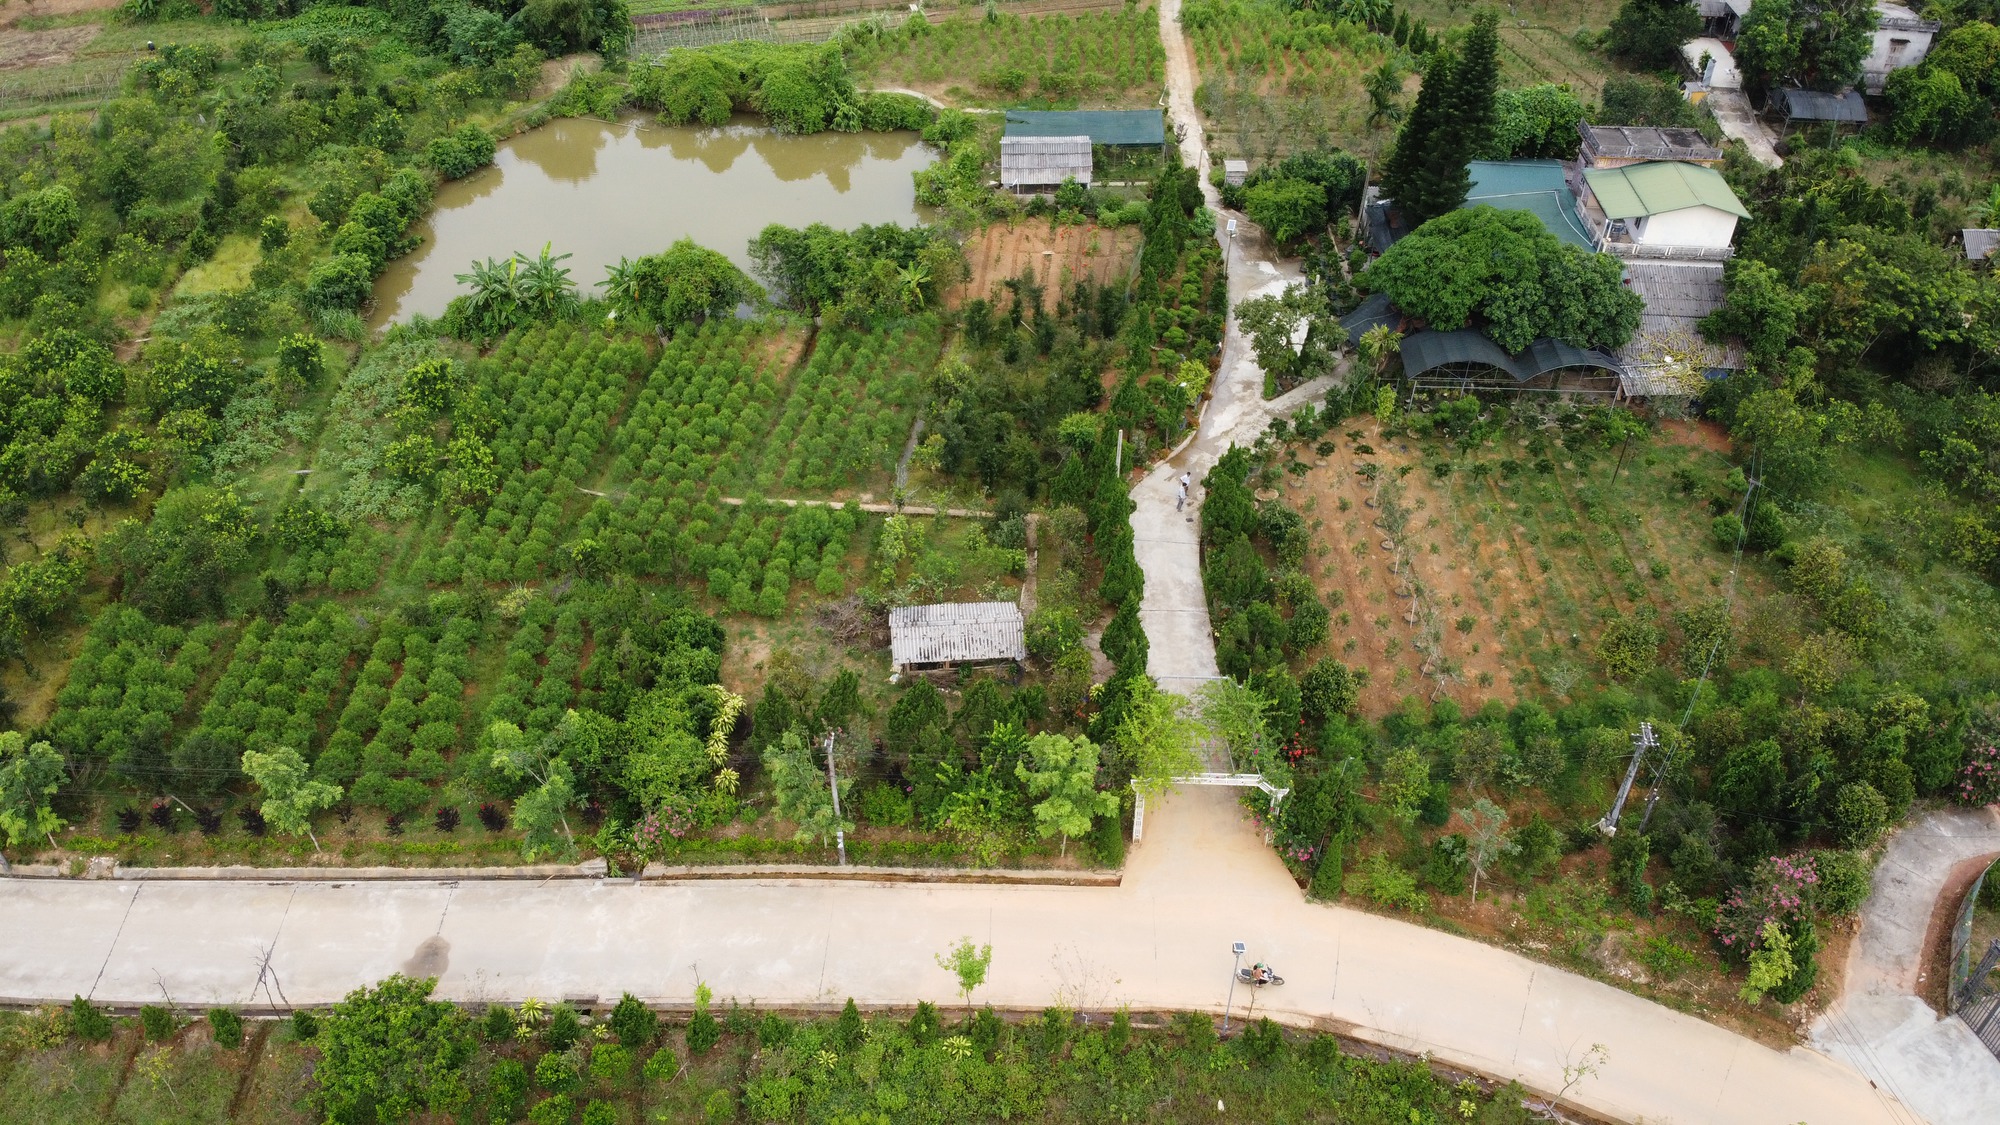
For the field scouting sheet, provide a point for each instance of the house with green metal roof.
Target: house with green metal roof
(1662, 208)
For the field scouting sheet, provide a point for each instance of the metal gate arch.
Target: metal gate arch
(1227, 780)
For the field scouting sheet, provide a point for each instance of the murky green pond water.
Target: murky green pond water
(601, 191)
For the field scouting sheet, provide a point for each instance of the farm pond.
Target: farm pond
(601, 191)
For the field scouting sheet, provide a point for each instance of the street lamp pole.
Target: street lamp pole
(1237, 949)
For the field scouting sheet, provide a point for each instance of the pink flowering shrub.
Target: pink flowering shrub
(1780, 890)
(656, 831)
(1979, 781)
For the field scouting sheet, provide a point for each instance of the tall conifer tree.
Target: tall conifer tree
(1406, 179)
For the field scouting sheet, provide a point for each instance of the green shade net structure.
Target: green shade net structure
(1427, 351)
(1102, 126)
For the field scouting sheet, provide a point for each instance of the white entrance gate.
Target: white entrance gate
(1231, 780)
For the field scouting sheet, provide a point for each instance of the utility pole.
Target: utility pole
(1641, 742)
(833, 787)
(1118, 465)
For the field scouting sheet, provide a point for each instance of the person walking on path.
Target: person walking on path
(1181, 502)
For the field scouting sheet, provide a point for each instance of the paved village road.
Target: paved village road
(1879, 1024)
(1200, 880)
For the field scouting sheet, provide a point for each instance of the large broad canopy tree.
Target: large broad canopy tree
(1504, 273)
(679, 287)
(1649, 33)
(390, 1052)
(1816, 44)
(176, 565)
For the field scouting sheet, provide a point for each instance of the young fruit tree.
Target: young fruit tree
(30, 774)
(291, 795)
(800, 791)
(1487, 838)
(543, 811)
(968, 963)
(1062, 772)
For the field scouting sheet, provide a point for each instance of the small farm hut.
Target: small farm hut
(1043, 163)
(1811, 107)
(1982, 244)
(953, 634)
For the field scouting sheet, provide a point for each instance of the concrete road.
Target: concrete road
(1879, 1025)
(1166, 539)
(1201, 880)
(1740, 122)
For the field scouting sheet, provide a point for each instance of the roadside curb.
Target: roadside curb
(590, 869)
(659, 872)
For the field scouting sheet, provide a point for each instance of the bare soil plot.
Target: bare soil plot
(1058, 256)
(21, 49)
(1516, 569)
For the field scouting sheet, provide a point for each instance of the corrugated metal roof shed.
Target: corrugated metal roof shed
(1681, 291)
(1659, 186)
(1044, 161)
(956, 633)
(1102, 126)
(1677, 296)
(1981, 244)
(1811, 105)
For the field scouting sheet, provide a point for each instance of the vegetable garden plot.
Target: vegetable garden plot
(555, 394)
(126, 687)
(1272, 83)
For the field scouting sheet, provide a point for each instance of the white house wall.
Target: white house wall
(1690, 226)
(1895, 48)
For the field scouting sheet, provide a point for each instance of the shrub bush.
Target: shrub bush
(226, 1026)
(89, 1021)
(633, 1022)
(158, 1022)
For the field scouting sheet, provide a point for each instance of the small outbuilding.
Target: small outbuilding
(1234, 172)
(1043, 163)
(1902, 38)
(1812, 107)
(1722, 18)
(954, 634)
(1982, 244)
